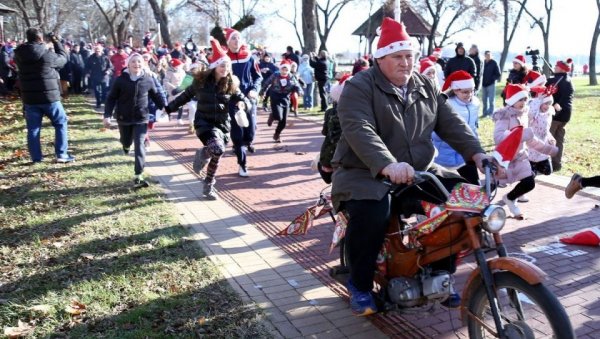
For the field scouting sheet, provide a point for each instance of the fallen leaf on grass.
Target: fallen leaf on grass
(75, 308)
(19, 153)
(201, 321)
(22, 330)
(41, 308)
(103, 129)
(87, 256)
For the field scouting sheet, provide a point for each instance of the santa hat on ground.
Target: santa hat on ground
(285, 63)
(336, 90)
(587, 237)
(437, 53)
(426, 65)
(534, 78)
(458, 80)
(506, 150)
(230, 32)
(218, 55)
(515, 92)
(565, 65)
(520, 60)
(392, 38)
(176, 62)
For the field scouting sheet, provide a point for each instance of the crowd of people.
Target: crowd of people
(433, 100)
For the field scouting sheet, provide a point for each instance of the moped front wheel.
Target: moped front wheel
(526, 311)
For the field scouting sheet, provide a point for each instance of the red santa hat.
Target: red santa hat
(437, 53)
(459, 80)
(426, 65)
(565, 65)
(506, 150)
(534, 78)
(230, 32)
(587, 237)
(392, 38)
(544, 93)
(285, 63)
(218, 56)
(336, 90)
(520, 59)
(176, 62)
(515, 92)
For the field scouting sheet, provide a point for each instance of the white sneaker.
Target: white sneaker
(523, 198)
(512, 206)
(180, 122)
(243, 172)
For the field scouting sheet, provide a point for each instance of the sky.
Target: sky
(571, 31)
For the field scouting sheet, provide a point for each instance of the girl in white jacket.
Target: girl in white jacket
(173, 79)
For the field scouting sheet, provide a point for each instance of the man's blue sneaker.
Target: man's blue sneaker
(362, 303)
(453, 301)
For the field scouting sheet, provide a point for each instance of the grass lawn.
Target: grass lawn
(83, 255)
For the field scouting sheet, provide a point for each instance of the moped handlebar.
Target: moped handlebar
(419, 178)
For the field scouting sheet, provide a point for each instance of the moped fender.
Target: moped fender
(521, 268)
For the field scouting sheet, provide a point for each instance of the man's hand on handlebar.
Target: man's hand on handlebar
(399, 173)
(479, 160)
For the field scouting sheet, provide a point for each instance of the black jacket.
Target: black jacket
(99, 68)
(129, 99)
(38, 72)
(320, 66)
(478, 69)
(460, 63)
(212, 110)
(563, 96)
(491, 73)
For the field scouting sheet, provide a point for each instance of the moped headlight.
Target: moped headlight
(494, 218)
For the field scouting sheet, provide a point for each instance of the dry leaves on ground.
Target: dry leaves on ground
(22, 330)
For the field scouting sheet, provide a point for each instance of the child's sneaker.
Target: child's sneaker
(209, 191)
(512, 207)
(523, 198)
(140, 183)
(362, 303)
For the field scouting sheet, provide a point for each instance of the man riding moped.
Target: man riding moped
(387, 115)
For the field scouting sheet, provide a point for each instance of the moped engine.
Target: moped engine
(409, 292)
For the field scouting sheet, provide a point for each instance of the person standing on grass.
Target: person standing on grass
(563, 104)
(491, 75)
(129, 98)
(99, 68)
(321, 65)
(306, 74)
(38, 67)
(245, 67)
(280, 87)
(215, 89)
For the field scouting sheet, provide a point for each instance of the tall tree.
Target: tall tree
(511, 21)
(309, 25)
(544, 27)
(455, 15)
(48, 15)
(119, 17)
(221, 12)
(329, 15)
(592, 61)
(162, 19)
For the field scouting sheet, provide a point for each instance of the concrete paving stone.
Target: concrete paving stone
(284, 294)
(314, 328)
(328, 334)
(335, 311)
(278, 288)
(298, 310)
(260, 276)
(360, 326)
(294, 299)
(252, 290)
(371, 334)
(309, 321)
(286, 329)
(275, 315)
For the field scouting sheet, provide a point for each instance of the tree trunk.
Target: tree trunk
(592, 61)
(508, 37)
(545, 68)
(162, 19)
(309, 25)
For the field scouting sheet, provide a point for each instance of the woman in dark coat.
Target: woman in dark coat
(215, 89)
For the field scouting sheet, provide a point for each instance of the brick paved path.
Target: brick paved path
(282, 185)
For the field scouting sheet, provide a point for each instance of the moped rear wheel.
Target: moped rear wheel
(542, 315)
